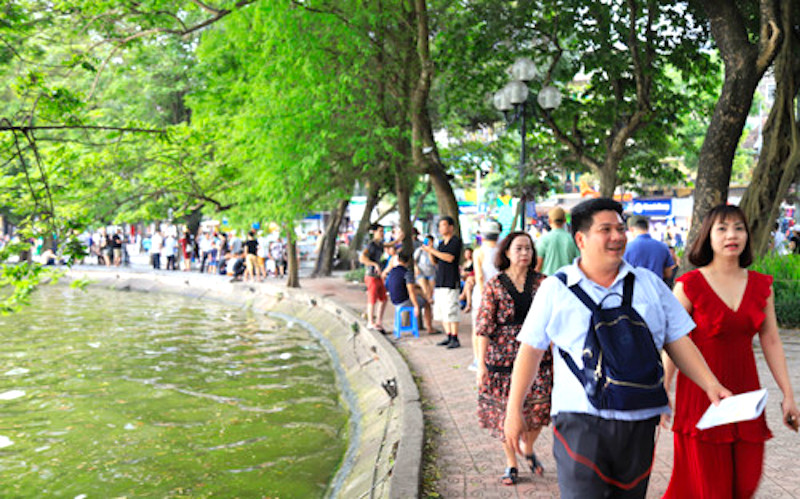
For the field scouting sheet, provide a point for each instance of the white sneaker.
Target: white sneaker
(474, 365)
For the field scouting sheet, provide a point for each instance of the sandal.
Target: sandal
(511, 476)
(535, 464)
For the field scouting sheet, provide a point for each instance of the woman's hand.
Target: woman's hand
(482, 375)
(791, 415)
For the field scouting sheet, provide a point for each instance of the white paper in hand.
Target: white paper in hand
(742, 407)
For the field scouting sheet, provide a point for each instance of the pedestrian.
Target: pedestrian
(468, 279)
(730, 305)
(794, 240)
(376, 290)
(116, 247)
(556, 248)
(644, 251)
(425, 268)
(483, 261)
(446, 290)
(604, 431)
(106, 247)
(251, 258)
(204, 245)
(278, 253)
(185, 244)
(778, 243)
(507, 297)
(168, 250)
(404, 292)
(156, 244)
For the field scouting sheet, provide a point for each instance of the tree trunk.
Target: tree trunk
(373, 196)
(608, 178)
(421, 201)
(293, 279)
(779, 162)
(324, 264)
(403, 192)
(193, 220)
(745, 64)
(424, 150)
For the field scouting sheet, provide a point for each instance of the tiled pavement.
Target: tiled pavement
(470, 461)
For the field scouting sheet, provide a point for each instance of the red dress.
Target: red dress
(725, 338)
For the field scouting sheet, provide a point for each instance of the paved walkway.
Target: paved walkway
(470, 461)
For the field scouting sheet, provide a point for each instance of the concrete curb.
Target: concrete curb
(386, 435)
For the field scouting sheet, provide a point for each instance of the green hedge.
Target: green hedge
(356, 275)
(785, 270)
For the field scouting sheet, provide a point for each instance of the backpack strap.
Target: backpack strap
(577, 291)
(627, 290)
(589, 303)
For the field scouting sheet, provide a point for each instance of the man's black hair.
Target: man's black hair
(374, 227)
(448, 219)
(640, 223)
(583, 213)
(404, 257)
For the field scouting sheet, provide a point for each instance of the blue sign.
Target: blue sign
(652, 207)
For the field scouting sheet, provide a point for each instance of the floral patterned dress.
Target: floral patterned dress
(502, 312)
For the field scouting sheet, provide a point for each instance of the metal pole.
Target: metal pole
(522, 172)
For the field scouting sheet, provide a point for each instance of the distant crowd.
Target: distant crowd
(253, 258)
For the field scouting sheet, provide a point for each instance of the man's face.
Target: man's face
(445, 229)
(604, 242)
(377, 234)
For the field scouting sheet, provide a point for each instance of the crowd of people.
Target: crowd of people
(253, 258)
(582, 331)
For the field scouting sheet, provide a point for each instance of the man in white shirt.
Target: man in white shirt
(156, 243)
(600, 452)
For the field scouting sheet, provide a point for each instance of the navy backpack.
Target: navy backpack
(622, 367)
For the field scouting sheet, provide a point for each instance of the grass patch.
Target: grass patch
(785, 271)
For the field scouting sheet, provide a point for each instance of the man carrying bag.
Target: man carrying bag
(604, 413)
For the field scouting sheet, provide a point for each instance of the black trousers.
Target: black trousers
(156, 260)
(603, 458)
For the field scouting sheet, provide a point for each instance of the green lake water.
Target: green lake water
(122, 394)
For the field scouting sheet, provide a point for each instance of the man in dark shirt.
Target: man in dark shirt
(376, 291)
(116, 247)
(404, 292)
(448, 279)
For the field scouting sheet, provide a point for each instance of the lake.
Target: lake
(108, 394)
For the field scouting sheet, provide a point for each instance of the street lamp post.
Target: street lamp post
(514, 96)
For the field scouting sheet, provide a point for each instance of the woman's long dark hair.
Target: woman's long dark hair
(701, 254)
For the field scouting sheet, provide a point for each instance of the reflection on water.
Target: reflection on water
(114, 394)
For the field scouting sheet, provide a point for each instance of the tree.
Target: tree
(748, 36)
(614, 61)
(779, 162)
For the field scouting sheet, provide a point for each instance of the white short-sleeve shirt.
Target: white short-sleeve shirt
(557, 316)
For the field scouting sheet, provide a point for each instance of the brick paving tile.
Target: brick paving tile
(471, 461)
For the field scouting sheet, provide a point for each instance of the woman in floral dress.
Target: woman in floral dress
(506, 300)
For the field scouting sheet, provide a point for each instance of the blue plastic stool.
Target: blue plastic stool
(412, 326)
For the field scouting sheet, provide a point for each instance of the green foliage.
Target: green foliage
(785, 270)
(585, 50)
(356, 275)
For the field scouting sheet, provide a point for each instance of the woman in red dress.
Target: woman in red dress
(729, 304)
(505, 302)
